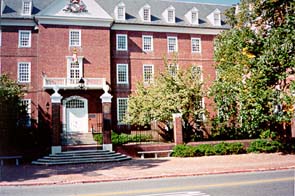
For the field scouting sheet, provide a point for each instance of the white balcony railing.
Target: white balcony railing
(66, 83)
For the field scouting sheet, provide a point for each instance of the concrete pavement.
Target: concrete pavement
(26, 175)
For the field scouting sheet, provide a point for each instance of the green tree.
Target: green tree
(173, 91)
(10, 108)
(255, 66)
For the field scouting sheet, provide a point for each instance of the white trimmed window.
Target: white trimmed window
(172, 44)
(171, 15)
(148, 73)
(26, 120)
(74, 70)
(147, 43)
(147, 14)
(27, 7)
(197, 72)
(172, 69)
(24, 72)
(122, 104)
(195, 17)
(121, 42)
(196, 45)
(75, 38)
(216, 17)
(122, 73)
(120, 11)
(24, 39)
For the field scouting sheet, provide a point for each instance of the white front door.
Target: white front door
(77, 115)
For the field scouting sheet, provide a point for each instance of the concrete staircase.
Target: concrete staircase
(77, 138)
(83, 156)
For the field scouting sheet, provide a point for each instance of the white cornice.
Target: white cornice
(164, 29)
(55, 20)
(17, 22)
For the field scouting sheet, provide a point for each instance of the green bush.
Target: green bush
(98, 138)
(262, 145)
(203, 149)
(123, 138)
(183, 151)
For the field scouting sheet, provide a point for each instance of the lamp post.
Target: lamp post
(81, 83)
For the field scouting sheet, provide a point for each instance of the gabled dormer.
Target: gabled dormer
(169, 14)
(120, 11)
(145, 13)
(193, 16)
(26, 7)
(215, 17)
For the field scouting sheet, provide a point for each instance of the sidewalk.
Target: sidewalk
(142, 169)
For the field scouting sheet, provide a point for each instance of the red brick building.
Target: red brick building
(66, 53)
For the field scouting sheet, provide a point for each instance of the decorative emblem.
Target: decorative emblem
(75, 6)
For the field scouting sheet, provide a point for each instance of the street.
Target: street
(270, 183)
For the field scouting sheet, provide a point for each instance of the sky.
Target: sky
(224, 2)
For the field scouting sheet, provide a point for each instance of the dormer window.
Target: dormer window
(120, 11)
(193, 16)
(27, 7)
(215, 18)
(169, 14)
(145, 13)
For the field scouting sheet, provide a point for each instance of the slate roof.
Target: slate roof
(12, 9)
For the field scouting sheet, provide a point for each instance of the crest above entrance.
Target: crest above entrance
(75, 6)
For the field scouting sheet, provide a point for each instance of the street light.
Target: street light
(81, 83)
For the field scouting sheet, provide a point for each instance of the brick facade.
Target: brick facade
(50, 51)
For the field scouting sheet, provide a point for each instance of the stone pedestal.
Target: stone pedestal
(177, 128)
(56, 124)
(106, 100)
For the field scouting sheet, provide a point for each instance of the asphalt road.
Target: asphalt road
(271, 183)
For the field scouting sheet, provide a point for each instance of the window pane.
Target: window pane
(25, 39)
(26, 119)
(146, 14)
(122, 108)
(196, 47)
(75, 38)
(147, 43)
(24, 72)
(27, 8)
(170, 16)
(148, 73)
(173, 69)
(121, 42)
(172, 44)
(121, 13)
(122, 73)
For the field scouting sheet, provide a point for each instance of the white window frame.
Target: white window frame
(27, 7)
(126, 42)
(148, 80)
(70, 79)
(146, 15)
(121, 114)
(120, 12)
(119, 80)
(19, 77)
(145, 43)
(216, 20)
(173, 74)
(200, 69)
(21, 38)
(195, 20)
(171, 18)
(72, 42)
(176, 44)
(28, 103)
(199, 50)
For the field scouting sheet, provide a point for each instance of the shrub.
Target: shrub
(262, 145)
(183, 151)
(203, 149)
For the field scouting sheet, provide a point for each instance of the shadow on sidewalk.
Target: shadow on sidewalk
(9, 173)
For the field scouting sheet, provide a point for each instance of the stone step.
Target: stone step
(77, 138)
(81, 156)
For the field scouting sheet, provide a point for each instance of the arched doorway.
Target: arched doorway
(76, 115)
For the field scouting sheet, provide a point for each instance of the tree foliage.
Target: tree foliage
(256, 66)
(167, 94)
